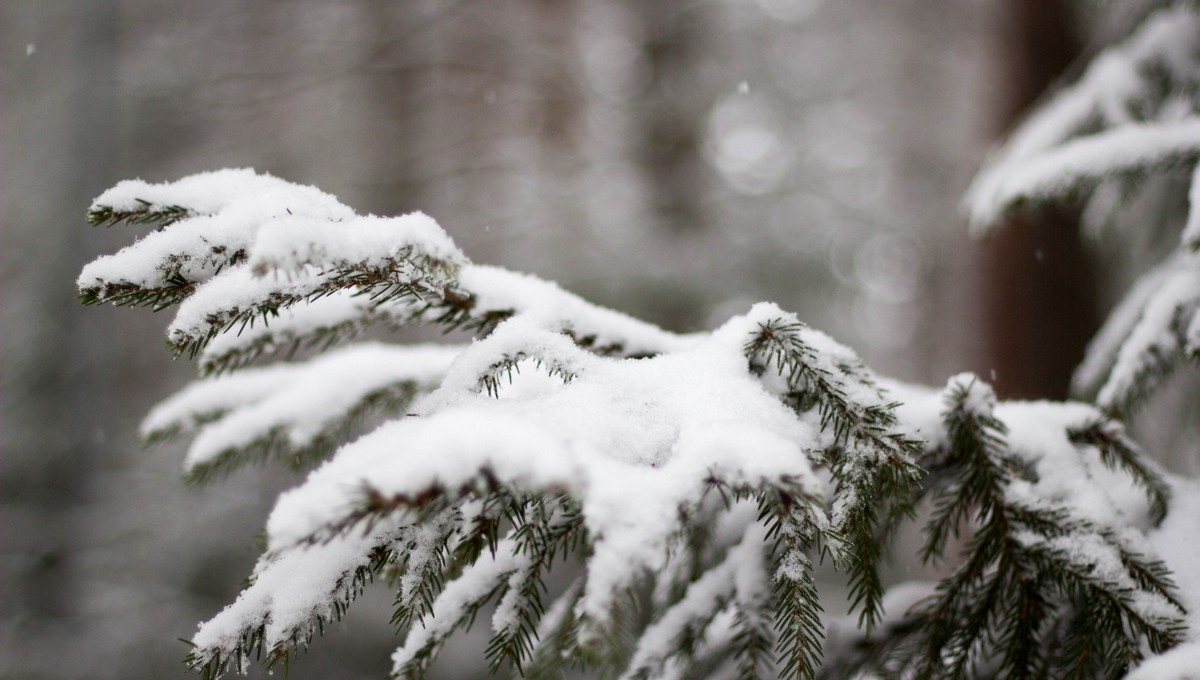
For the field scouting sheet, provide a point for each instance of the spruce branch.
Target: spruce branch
(295, 412)
(555, 644)
(494, 377)
(1066, 173)
(1027, 562)
(455, 607)
(754, 640)
(482, 524)
(547, 528)
(1118, 451)
(680, 625)
(1100, 127)
(240, 301)
(422, 570)
(259, 638)
(277, 443)
(871, 459)
(145, 213)
(318, 325)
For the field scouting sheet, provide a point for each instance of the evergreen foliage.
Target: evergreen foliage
(686, 487)
(1129, 122)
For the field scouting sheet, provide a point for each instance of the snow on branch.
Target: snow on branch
(871, 456)
(292, 596)
(704, 599)
(1079, 164)
(455, 606)
(406, 257)
(1133, 115)
(497, 292)
(318, 323)
(704, 472)
(481, 298)
(295, 412)
(1119, 111)
(213, 220)
(1053, 560)
(1145, 338)
(243, 246)
(258, 266)
(633, 439)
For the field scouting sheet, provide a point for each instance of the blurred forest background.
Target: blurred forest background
(677, 160)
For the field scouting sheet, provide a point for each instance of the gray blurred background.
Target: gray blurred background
(678, 160)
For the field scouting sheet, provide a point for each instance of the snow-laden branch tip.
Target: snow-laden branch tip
(1101, 126)
(1080, 163)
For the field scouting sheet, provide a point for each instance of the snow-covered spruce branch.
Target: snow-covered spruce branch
(1118, 452)
(788, 489)
(319, 324)
(546, 444)
(255, 245)
(1151, 333)
(141, 212)
(291, 597)
(259, 266)
(1054, 580)
(872, 460)
(1123, 116)
(1079, 165)
(545, 528)
(294, 412)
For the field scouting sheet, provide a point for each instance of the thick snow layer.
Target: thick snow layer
(342, 313)
(302, 401)
(292, 589)
(1104, 96)
(552, 308)
(1058, 171)
(632, 439)
(229, 207)
(204, 193)
(294, 242)
(1156, 337)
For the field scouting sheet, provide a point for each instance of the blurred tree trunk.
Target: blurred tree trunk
(1039, 290)
(671, 120)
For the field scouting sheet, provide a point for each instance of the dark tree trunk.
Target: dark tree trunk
(671, 120)
(1039, 288)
